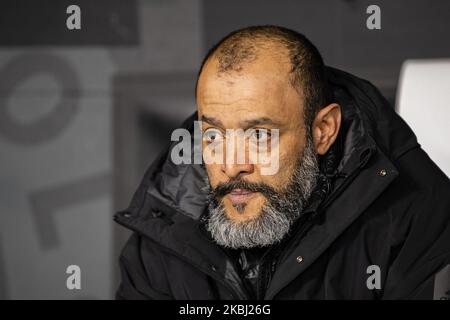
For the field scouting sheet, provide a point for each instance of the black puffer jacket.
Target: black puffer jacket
(388, 206)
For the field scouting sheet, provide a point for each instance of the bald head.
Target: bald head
(298, 58)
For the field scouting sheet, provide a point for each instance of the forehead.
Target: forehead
(261, 88)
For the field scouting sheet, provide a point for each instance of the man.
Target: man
(356, 210)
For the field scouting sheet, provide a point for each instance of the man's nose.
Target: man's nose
(234, 170)
(237, 162)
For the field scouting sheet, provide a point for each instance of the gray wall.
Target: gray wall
(56, 146)
(81, 117)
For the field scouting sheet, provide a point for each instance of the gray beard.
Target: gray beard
(277, 215)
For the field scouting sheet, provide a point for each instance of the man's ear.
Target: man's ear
(325, 127)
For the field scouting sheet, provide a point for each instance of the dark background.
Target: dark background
(84, 112)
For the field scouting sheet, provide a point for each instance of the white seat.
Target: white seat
(423, 100)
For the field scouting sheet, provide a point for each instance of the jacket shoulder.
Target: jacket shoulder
(420, 231)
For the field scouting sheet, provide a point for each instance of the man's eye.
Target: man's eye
(212, 135)
(260, 134)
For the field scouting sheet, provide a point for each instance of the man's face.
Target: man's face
(260, 96)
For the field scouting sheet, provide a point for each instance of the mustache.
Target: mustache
(222, 189)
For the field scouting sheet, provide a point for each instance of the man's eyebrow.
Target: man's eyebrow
(244, 123)
(258, 121)
(211, 120)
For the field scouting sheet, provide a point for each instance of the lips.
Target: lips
(239, 196)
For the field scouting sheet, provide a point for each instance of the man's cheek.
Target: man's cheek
(212, 175)
(287, 163)
(267, 154)
(270, 164)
